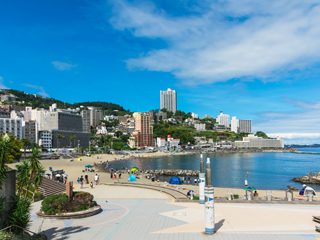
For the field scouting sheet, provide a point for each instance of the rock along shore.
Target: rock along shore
(306, 180)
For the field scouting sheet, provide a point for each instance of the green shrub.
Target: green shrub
(60, 203)
(19, 214)
(52, 204)
(235, 196)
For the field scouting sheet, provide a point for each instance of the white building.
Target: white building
(223, 119)
(102, 130)
(161, 142)
(168, 100)
(172, 142)
(194, 115)
(258, 142)
(45, 139)
(241, 126)
(200, 126)
(109, 118)
(11, 125)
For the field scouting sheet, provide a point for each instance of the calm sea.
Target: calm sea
(272, 171)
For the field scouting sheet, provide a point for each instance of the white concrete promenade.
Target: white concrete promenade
(164, 219)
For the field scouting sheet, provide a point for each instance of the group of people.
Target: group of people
(86, 179)
(114, 174)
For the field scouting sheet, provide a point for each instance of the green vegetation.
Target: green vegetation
(60, 203)
(261, 134)
(209, 122)
(36, 102)
(163, 129)
(25, 236)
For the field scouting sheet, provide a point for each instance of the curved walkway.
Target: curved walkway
(176, 194)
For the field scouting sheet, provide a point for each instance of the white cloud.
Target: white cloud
(1, 84)
(41, 92)
(230, 39)
(303, 104)
(62, 66)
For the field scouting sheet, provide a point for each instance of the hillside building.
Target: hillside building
(223, 119)
(168, 100)
(241, 126)
(143, 134)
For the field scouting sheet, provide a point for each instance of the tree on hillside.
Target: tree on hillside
(261, 134)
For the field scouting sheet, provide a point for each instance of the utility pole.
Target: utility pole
(209, 196)
(201, 181)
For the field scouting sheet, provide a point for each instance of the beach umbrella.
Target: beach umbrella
(65, 175)
(88, 166)
(58, 175)
(134, 169)
(249, 188)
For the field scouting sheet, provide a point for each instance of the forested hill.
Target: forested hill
(31, 100)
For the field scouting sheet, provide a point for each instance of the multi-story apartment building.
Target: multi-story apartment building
(223, 119)
(91, 117)
(168, 100)
(10, 125)
(4, 113)
(31, 130)
(143, 134)
(258, 142)
(95, 116)
(85, 114)
(241, 126)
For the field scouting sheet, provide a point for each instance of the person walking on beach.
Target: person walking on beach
(91, 185)
(120, 175)
(111, 175)
(96, 179)
(81, 181)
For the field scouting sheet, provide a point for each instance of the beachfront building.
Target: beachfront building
(200, 126)
(11, 125)
(172, 142)
(91, 118)
(143, 134)
(253, 141)
(240, 125)
(161, 142)
(223, 119)
(168, 100)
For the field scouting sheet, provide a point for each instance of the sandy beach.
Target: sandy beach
(74, 170)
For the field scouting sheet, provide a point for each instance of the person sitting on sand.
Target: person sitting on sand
(255, 194)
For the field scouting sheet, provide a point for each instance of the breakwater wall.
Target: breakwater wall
(173, 172)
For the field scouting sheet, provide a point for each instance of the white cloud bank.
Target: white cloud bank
(63, 66)
(1, 84)
(229, 39)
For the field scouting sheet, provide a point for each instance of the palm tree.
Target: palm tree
(23, 177)
(70, 140)
(26, 144)
(63, 137)
(74, 138)
(36, 170)
(4, 154)
(58, 136)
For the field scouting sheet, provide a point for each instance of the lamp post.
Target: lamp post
(209, 207)
(201, 181)
(78, 147)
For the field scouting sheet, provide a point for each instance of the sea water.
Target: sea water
(273, 171)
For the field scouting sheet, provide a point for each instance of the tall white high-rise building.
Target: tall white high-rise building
(241, 126)
(223, 119)
(168, 100)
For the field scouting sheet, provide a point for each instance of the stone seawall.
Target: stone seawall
(306, 180)
(173, 172)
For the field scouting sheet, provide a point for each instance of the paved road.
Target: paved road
(164, 219)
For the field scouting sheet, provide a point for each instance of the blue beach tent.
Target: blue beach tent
(175, 180)
(132, 178)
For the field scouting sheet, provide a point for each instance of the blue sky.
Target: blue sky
(254, 60)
